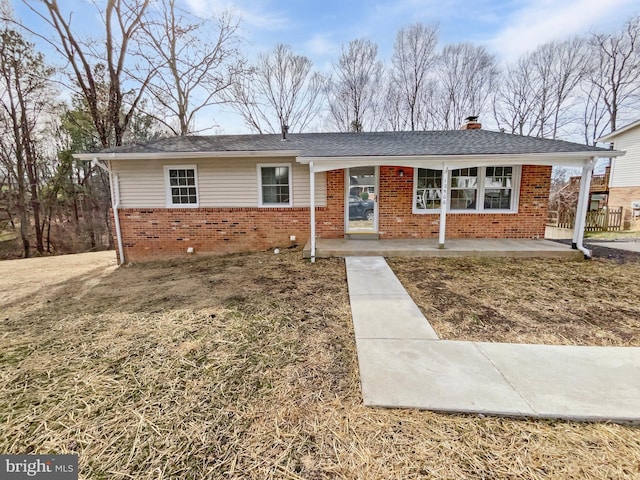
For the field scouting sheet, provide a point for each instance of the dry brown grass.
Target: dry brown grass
(244, 367)
(527, 300)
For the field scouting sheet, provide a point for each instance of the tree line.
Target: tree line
(154, 70)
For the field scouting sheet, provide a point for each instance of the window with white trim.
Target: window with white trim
(463, 192)
(182, 185)
(275, 185)
(429, 189)
(498, 188)
(474, 189)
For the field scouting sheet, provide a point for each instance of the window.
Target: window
(498, 188)
(182, 186)
(429, 185)
(275, 185)
(476, 189)
(464, 189)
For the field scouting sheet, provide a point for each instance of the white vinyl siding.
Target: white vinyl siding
(625, 170)
(142, 184)
(221, 182)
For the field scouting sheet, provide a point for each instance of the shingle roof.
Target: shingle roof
(445, 142)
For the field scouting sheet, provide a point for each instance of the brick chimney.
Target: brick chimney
(471, 123)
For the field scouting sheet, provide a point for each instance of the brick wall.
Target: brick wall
(164, 232)
(168, 232)
(397, 221)
(622, 197)
(151, 233)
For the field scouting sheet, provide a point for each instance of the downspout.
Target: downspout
(443, 206)
(312, 207)
(581, 209)
(115, 204)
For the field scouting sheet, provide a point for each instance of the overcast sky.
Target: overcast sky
(319, 28)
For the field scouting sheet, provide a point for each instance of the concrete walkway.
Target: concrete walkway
(404, 364)
(619, 245)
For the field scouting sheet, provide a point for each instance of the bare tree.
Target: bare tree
(595, 116)
(466, 77)
(413, 57)
(569, 70)
(394, 114)
(112, 110)
(196, 60)
(24, 95)
(614, 75)
(280, 90)
(355, 99)
(513, 103)
(534, 96)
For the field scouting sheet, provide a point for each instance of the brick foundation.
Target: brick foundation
(168, 232)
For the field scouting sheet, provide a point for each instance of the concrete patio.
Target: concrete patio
(485, 247)
(404, 364)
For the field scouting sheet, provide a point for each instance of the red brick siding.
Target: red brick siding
(163, 232)
(623, 197)
(397, 221)
(168, 232)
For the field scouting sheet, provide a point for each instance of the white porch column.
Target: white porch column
(443, 206)
(583, 200)
(312, 210)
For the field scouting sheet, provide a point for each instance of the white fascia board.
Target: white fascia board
(323, 164)
(185, 155)
(607, 138)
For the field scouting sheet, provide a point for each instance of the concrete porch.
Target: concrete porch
(485, 247)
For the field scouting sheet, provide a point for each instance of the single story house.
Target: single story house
(233, 193)
(624, 174)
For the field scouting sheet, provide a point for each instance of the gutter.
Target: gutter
(312, 210)
(581, 209)
(189, 155)
(115, 204)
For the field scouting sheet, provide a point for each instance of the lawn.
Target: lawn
(528, 300)
(241, 366)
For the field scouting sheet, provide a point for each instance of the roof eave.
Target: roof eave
(620, 131)
(185, 155)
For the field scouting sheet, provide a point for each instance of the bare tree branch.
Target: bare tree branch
(615, 72)
(413, 57)
(466, 78)
(112, 111)
(197, 61)
(535, 95)
(281, 90)
(355, 96)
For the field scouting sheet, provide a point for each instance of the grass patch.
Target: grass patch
(526, 300)
(241, 367)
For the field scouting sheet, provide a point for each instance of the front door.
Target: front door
(361, 202)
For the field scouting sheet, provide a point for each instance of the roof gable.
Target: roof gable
(618, 132)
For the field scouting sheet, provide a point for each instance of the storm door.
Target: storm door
(361, 202)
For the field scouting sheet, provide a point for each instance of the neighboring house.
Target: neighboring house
(234, 193)
(624, 177)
